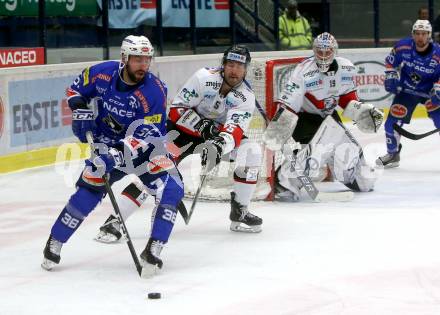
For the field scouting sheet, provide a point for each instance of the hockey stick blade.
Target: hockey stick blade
(412, 136)
(319, 196)
(338, 196)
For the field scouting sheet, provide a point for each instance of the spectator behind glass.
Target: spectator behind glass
(436, 28)
(423, 14)
(295, 32)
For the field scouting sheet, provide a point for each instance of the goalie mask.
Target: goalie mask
(325, 48)
(136, 46)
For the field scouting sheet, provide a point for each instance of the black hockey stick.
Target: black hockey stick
(118, 213)
(201, 184)
(414, 136)
(196, 197)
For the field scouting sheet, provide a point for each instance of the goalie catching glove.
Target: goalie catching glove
(367, 117)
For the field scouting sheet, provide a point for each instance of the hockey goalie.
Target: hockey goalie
(307, 113)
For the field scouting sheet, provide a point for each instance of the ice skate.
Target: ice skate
(390, 160)
(51, 253)
(109, 232)
(242, 220)
(150, 260)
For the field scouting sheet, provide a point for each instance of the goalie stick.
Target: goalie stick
(320, 196)
(414, 136)
(118, 214)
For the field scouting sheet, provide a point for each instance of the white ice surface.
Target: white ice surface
(378, 254)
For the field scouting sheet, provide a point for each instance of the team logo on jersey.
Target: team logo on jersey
(239, 118)
(155, 119)
(398, 110)
(230, 103)
(187, 95)
(290, 87)
(329, 104)
(2, 115)
(110, 121)
(415, 77)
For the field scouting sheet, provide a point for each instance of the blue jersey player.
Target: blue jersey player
(418, 60)
(130, 135)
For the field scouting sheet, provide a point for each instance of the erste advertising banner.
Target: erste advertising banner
(38, 110)
(175, 13)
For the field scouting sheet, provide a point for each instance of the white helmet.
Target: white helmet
(325, 48)
(422, 25)
(137, 46)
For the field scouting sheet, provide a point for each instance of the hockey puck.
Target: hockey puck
(154, 295)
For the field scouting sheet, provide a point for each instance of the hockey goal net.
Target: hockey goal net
(266, 76)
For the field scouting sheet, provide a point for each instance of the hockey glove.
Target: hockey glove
(83, 121)
(207, 128)
(212, 153)
(367, 117)
(105, 163)
(391, 82)
(435, 94)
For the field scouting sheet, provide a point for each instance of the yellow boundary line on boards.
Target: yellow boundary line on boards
(42, 157)
(48, 156)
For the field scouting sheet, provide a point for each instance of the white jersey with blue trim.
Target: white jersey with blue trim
(201, 93)
(309, 90)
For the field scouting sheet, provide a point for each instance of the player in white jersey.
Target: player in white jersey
(212, 110)
(307, 112)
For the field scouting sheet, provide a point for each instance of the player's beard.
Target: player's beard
(233, 81)
(135, 76)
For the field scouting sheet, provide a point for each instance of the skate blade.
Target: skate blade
(392, 165)
(240, 227)
(47, 264)
(106, 238)
(149, 271)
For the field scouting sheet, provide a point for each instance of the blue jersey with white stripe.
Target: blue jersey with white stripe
(123, 110)
(418, 71)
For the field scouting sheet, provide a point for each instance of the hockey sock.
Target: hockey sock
(243, 192)
(81, 203)
(162, 222)
(130, 200)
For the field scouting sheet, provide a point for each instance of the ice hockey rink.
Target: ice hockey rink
(377, 254)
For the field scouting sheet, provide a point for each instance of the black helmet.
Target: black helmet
(237, 53)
